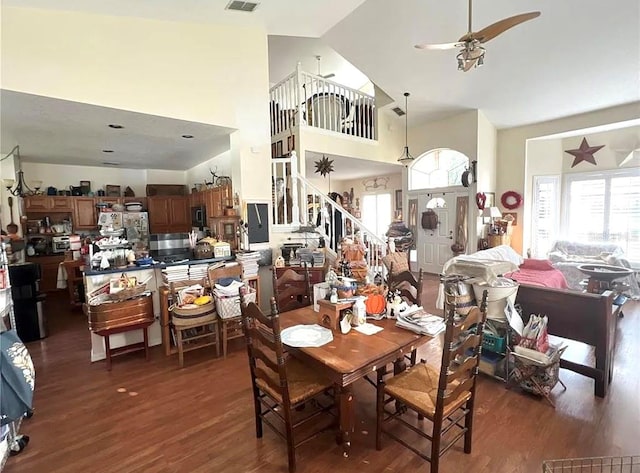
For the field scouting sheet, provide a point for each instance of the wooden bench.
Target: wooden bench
(579, 316)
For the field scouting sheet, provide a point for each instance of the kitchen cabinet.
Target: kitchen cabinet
(85, 216)
(213, 202)
(47, 203)
(169, 214)
(225, 229)
(48, 271)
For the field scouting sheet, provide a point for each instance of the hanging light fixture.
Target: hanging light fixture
(19, 187)
(406, 157)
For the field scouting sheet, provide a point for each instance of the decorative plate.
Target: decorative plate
(306, 336)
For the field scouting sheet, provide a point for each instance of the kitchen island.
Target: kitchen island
(152, 274)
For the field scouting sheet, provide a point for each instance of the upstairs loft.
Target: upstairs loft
(307, 100)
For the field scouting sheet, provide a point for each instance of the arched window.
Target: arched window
(438, 168)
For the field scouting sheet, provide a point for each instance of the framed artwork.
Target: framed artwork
(399, 199)
(291, 142)
(279, 149)
(513, 216)
(273, 150)
(112, 191)
(491, 199)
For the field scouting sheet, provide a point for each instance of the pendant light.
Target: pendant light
(406, 157)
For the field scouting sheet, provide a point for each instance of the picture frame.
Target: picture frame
(514, 215)
(279, 149)
(291, 142)
(112, 190)
(399, 199)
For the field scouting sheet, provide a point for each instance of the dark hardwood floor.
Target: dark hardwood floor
(200, 418)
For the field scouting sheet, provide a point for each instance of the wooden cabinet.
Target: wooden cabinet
(49, 271)
(196, 198)
(47, 203)
(85, 216)
(169, 214)
(213, 202)
(225, 229)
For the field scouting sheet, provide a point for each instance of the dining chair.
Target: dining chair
(282, 385)
(444, 398)
(194, 328)
(230, 328)
(75, 281)
(291, 289)
(410, 290)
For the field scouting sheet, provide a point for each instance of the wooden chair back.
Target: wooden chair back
(264, 347)
(292, 290)
(395, 281)
(461, 350)
(214, 274)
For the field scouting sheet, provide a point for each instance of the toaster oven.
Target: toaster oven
(60, 244)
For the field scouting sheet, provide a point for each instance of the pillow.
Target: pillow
(537, 264)
(399, 261)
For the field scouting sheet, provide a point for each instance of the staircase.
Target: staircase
(299, 205)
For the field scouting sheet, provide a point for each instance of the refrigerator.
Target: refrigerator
(135, 225)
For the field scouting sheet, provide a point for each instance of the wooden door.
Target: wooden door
(84, 213)
(434, 246)
(37, 202)
(159, 215)
(180, 213)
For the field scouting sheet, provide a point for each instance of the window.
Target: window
(376, 213)
(546, 215)
(604, 207)
(438, 168)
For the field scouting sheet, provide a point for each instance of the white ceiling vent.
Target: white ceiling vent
(247, 7)
(398, 111)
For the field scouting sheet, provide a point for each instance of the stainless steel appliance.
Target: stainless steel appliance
(169, 247)
(60, 244)
(199, 216)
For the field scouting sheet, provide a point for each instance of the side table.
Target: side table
(144, 345)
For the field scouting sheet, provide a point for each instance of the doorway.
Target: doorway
(434, 246)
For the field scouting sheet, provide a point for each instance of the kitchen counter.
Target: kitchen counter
(124, 269)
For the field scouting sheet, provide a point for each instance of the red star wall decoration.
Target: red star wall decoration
(584, 153)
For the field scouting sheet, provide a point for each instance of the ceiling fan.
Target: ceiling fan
(326, 76)
(472, 52)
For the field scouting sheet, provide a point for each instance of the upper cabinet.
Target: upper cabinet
(85, 216)
(46, 203)
(169, 213)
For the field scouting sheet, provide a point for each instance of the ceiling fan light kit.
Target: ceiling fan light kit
(472, 52)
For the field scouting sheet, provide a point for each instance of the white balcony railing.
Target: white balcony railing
(309, 100)
(298, 203)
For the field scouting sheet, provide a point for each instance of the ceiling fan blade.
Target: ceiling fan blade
(439, 46)
(499, 27)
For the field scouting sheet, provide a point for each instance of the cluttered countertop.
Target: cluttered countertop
(155, 264)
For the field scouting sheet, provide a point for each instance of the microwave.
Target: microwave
(199, 216)
(60, 244)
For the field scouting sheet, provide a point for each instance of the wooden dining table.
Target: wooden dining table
(351, 357)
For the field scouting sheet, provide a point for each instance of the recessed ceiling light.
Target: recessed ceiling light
(107, 151)
(116, 126)
(111, 163)
(187, 136)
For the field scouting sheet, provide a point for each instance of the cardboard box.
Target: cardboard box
(221, 249)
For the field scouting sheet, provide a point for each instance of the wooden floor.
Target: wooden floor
(200, 419)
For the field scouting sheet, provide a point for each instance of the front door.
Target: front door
(434, 246)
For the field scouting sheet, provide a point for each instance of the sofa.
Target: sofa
(567, 255)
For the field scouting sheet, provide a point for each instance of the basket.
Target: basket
(623, 464)
(128, 293)
(493, 343)
(193, 316)
(228, 307)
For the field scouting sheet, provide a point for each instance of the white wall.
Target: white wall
(512, 149)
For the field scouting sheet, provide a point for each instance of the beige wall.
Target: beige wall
(512, 150)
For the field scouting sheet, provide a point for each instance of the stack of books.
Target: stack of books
(418, 320)
(175, 273)
(249, 262)
(198, 271)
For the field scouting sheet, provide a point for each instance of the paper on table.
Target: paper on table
(368, 329)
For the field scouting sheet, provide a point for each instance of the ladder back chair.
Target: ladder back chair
(194, 328)
(282, 385)
(446, 397)
(230, 328)
(292, 290)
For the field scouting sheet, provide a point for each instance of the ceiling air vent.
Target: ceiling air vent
(241, 6)
(398, 111)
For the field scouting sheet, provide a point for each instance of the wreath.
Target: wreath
(511, 200)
